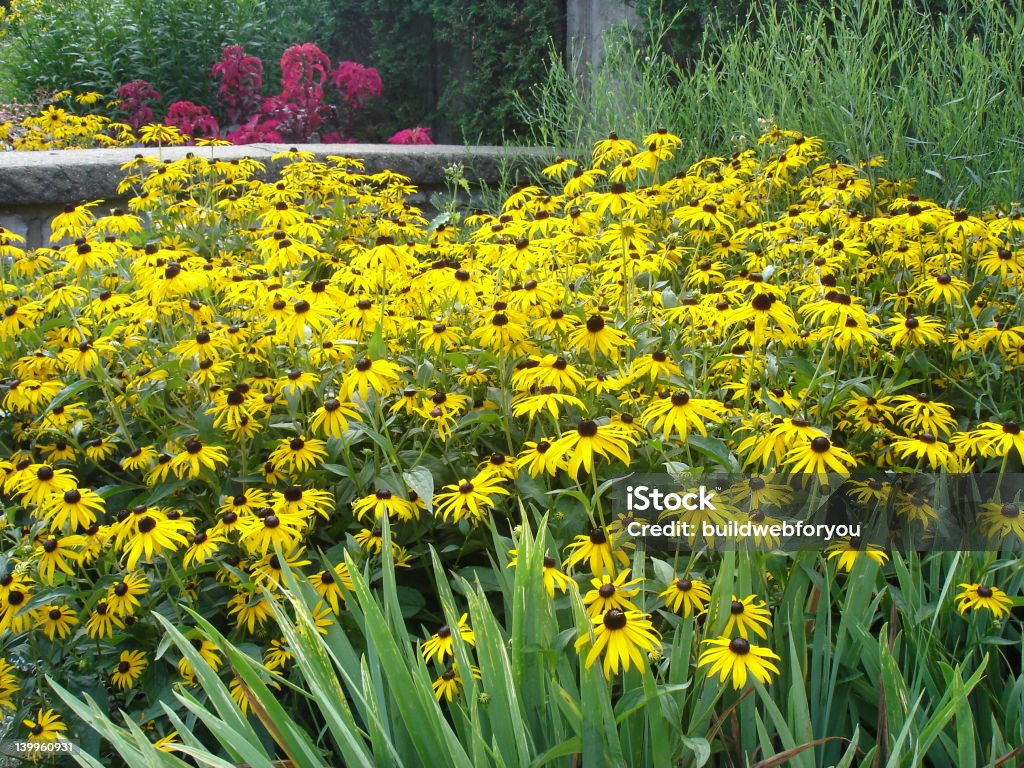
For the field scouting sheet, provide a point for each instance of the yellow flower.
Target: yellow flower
(620, 635)
(442, 645)
(747, 615)
(598, 550)
(978, 596)
(468, 499)
(449, 683)
(609, 592)
(130, 666)
(687, 596)
(588, 440)
(736, 658)
(847, 552)
(45, 726)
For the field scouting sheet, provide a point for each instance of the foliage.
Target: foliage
(935, 91)
(96, 45)
(236, 380)
(305, 110)
(458, 67)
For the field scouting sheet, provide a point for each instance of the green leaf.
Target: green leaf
(421, 480)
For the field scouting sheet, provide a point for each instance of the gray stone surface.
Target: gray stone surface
(59, 177)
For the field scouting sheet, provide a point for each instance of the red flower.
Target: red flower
(191, 119)
(411, 136)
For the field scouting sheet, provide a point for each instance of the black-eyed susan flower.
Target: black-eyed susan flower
(999, 439)
(123, 595)
(301, 502)
(913, 331)
(736, 658)
(597, 337)
(160, 470)
(102, 622)
(746, 616)
(299, 454)
(579, 446)
(269, 569)
(74, 509)
(553, 578)
(8, 685)
(204, 546)
(262, 533)
(449, 684)
(598, 550)
(209, 652)
(129, 668)
(923, 447)
(41, 480)
(332, 418)
(611, 592)
(537, 458)
(379, 376)
(1002, 519)
(468, 499)
(679, 413)
(819, 457)
(249, 611)
(277, 655)
(442, 645)
(328, 584)
(151, 535)
(620, 636)
(921, 413)
(55, 553)
(848, 551)
(45, 726)
(196, 456)
(383, 503)
(980, 596)
(688, 597)
(56, 621)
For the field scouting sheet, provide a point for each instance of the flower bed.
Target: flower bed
(230, 384)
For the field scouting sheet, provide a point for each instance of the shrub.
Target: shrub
(96, 45)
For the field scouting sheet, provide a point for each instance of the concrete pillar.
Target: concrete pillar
(586, 23)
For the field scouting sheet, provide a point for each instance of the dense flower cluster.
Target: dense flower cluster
(228, 374)
(305, 110)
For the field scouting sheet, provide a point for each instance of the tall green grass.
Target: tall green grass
(877, 670)
(938, 95)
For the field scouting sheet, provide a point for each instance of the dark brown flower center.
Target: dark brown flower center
(820, 445)
(615, 619)
(739, 646)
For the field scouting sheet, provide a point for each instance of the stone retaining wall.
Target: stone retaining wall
(35, 186)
